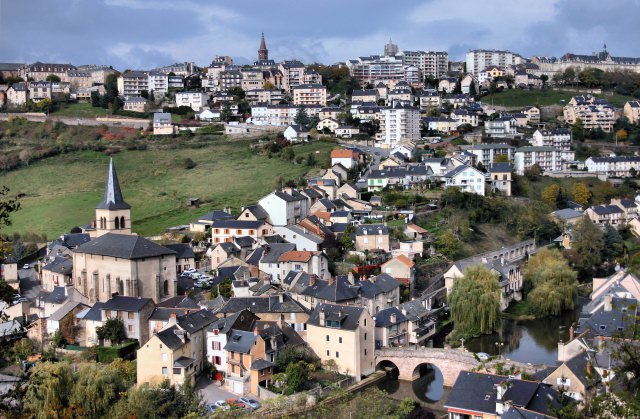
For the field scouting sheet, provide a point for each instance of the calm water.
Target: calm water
(534, 341)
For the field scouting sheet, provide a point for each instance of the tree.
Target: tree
(581, 193)
(225, 113)
(7, 292)
(551, 283)
(586, 251)
(311, 160)
(550, 194)
(163, 401)
(622, 135)
(48, 390)
(577, 130)
(613, 243)
(223, 288)
(302, 118)
(112, 330)
(144, 94)
(23, 348)
(53, 78)
(268, 85)
(296, 377)
(448, 244)
(475, 302)
(544, 78)
(345, 240)
(501, 158)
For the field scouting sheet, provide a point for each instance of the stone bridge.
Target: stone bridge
(450, 362)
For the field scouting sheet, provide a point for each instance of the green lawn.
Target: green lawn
(520, 98)
(82, 110)
(61, 192)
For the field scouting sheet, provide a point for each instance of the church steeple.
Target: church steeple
(112, 199)
(113, 214)
(263, 52)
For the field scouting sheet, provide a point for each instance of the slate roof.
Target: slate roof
(373, 286)
(500, 168)
(95, 312)
(240, 341)
(267, 304)
(215, 215)
(182, 250)
(195, 321)
(254, 257)
(61, 265)
(123, 303)
(179, 301)
(60, 313)
(183, 362)
(229, 247)
(161, 118)
(306, 234)
(340, 290)
(348, 316)
(71, 240)
(383, 317)
(260, 364)
(567, 214)
(57, 296)
(371, 229)
(274, 250)
(238, 224)
(607, 209)
(257, 211)
(244, 241)
(123, 246)
(169, 338)
(112, 198)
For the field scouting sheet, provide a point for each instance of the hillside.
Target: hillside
(60, 192)
(519, 98)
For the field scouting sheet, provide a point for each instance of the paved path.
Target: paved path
(212, 392)
(69, 120)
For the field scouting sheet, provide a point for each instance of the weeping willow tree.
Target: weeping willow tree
(550, 283)
(475, 302)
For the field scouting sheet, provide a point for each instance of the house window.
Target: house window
(165, 371)
(340, 339)
(177, 371)
(164, 357)
(365, 336)
(337, 354)
(130, 328)
(365, 352)
(130, 315)
(327, 338)
(328, 354)
(107, 314)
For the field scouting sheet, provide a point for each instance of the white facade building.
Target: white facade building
(548, 158)
(479, 59)
(467, 178)
(194, 100)
(399, 122)
(559, 138)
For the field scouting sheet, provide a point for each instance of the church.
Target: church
(116, 261)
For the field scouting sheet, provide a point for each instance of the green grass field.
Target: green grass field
(61, 192)
(520, 98)
(82, 110)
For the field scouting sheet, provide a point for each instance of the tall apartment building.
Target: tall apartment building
(487, 153)
(548, 158)
(376, 68)
(310, 94)
(429, 63)
(594, 113)
(602, 60)
(399, 122)
(292, 74)
(557, 137)
(158, 83)
(132, 83)
(479, 59)
(632, 111)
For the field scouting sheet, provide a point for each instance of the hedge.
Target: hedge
(126, 350)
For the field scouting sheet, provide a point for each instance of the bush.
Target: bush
(107, 354)
(188, 164)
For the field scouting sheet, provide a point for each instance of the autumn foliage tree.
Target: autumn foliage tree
(581, 194)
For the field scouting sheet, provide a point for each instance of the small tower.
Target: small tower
(390, 49)
(263, 52)
(113, 215)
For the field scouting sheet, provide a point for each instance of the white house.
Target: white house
(162, 123)
(467, 178)
(194, 100)
(501, 127)
(548, 158)
(285, 207)
(295, 133)
(209, 115)
(557, 137)
(301, 237)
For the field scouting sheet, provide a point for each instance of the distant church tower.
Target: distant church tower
(390, 49)
(113, 215)
(263, 52)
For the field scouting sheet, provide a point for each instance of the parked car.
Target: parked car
(191, 270)
(222, 404)
(483, 356)
(236, 404)
(249, 402)
(26, 266)
(211, 408)
(186, 275)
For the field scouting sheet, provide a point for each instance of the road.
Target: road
(29, 286)
(212, 392)
(120, 122)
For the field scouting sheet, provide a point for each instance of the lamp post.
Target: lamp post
(499, 345)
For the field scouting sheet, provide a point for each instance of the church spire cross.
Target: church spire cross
(112, 198)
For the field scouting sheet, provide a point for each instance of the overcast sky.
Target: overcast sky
(143, 34)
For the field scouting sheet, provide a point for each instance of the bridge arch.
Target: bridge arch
(431, 374)
(450, 362)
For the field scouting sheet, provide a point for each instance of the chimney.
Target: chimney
(404, 311)
(608, 299)
(588, 367)
(281, 298)
(186, 312)
(502, 260)
(172, 319)
(501, 388)
(393, 318)
(322, 317)
(350, 278)
(571, 333)
(274, 344)
(330, 280)
(312, 280)
(281, 320)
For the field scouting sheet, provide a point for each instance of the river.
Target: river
(533, 341)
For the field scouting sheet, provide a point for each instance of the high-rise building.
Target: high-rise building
(390, 49)
(479, 59)
(429, 63)
(399, 122)
(263, 52)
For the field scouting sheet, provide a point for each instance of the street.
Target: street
(121, 122)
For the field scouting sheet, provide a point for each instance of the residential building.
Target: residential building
(272, 308)
(135, 104)
(346, 157)
(489, 396)
(158, 83)
(490, 73)
(549, 159)
(401, 268)
(284, 207)
(116, 261)
(615, 166)
(40, 90)
(500, 177)
(132, 84)
(559, 138)
(429, 100)
(305, 240)
(344, 334)
(602, 60)
(227, 230)
(313, 263)
(296, 133)
(328, 124)
(134, 313)
(218, 334)
(576, 377)
(467, 178)
(162, 124)
(469, 85)
(366, 95)
(17, 94)
(629, 207)
(391, 328)
(567, 216)
(448, 85)
(58, 272)
(441, 124)
(632, 111)
(376, 68)
(533, 113)
(310, 94)
(487, 153)
(463, 116)
(372, 237)
(594, 113)
(176, 353)
(204, 222)
(480, 59)
(611, 215)
(268, 96)
(185, 258)
(399, 122)
(39, 71)
(194, 100)
(292, 74)
(346, 131)
(504, 126)
(429, 63)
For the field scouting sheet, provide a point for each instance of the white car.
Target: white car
(190, 270)
(26, 266)
(222, 404)
(483, 356)
(249, 402)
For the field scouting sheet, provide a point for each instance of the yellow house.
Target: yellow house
(344, 335)
(176, 353)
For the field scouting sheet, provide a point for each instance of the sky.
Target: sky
(145, 34)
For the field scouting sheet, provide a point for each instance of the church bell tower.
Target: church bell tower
(113, 214)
